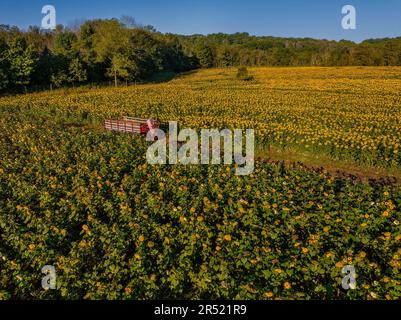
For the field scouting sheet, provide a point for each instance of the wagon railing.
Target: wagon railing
(131, 125)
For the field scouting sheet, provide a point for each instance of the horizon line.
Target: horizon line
(26, 29)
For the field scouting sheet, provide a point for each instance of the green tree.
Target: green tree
(77, 71)
(205, 55)
(120, 68)
(59, 78)
(392, 53)
(4, 65)
(363, 55)
(243, 74)
(65, 44)
(47, 65)
(22, 58)
(225, 57)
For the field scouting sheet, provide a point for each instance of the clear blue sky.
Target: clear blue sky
(292, 18)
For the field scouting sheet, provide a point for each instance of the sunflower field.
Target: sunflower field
(84, 200)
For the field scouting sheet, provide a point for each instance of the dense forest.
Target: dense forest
(220, 50)
(121, 51)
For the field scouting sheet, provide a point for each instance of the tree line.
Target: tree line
(121, 51)
(242, 49)
(97, 51)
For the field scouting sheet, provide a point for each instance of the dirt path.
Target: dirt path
(323, 163)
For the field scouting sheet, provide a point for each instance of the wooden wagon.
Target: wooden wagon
(131, 125)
